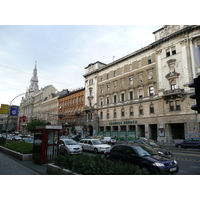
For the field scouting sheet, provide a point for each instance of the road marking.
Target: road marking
(185, 154)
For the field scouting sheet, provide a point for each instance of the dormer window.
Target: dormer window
(167, 52)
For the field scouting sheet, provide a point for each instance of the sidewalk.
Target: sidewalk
(12, 166)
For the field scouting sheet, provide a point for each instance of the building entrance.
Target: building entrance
(177, 131)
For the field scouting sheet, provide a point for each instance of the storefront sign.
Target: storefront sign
(125, 122)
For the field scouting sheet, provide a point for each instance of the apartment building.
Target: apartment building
(70, 110)
(146, 93)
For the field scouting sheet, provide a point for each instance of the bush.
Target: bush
(21, 147)
(95, 165)
(2, 141)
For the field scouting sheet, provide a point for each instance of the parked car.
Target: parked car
(189, 143)
(69, 146)
(17, 138)
(108, 140)
(152, 144)
(76, 137)
(148, 159)
(94, 145)
(27, 140)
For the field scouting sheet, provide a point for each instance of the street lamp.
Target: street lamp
(9, 114)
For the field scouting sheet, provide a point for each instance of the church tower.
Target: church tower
(33, 83)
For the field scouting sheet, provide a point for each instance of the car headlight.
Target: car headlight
(158, 164)
(175, 161)
(70, 148)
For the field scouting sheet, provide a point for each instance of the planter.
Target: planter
(55, 170)
(19, 156)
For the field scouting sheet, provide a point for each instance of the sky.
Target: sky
(62, 52)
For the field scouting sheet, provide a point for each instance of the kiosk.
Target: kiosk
(45, 143)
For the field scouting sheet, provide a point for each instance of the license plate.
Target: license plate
(173, 169)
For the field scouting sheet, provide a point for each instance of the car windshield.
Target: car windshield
(153, 144)
(70, 142)
(145, 151)
(96, 142)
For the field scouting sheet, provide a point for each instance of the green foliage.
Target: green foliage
(21, 147)
(2, 141)
(36, 122)
(96, 165)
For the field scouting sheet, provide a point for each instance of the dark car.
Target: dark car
(76, 137)
(154, 145)
(145, 157)
(189, 143)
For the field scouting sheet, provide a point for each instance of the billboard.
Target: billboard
(4, 109)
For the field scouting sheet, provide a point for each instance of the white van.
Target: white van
(108, 140)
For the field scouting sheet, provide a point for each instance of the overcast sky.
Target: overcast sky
(62, 52)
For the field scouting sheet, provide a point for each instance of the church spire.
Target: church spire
(34, 81)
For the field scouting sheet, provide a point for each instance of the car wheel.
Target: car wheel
(95, 150)
(145, 170)
(179, 147)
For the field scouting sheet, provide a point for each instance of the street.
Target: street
(188, 160)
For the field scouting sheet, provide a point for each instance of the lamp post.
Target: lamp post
(9, 114)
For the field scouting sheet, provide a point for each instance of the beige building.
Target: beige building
(146, 93)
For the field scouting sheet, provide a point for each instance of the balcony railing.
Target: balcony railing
(175, 91)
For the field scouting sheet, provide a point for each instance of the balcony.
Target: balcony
(173, 94)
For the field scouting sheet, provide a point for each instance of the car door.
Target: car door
(116, 152)
(187, 143)
(90, 146)
(129, 155)
(61, 146)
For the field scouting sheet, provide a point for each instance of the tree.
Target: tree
(36, 122)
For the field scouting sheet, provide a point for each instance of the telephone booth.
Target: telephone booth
(45, 143)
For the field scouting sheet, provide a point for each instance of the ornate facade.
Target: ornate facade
(146, 93)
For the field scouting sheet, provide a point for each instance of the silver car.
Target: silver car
(94, 145)
(69, 146)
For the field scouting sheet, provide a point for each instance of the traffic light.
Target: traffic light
(196, 95)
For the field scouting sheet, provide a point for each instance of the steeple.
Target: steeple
(34, 81)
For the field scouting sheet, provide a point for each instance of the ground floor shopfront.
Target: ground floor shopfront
(167, 129)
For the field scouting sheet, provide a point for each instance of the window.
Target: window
(108, 87)
(167, 52)
(101, 115)
(101, 89)
(108, 75)
(107, 115)
(141, 110)
(139, 78)
(115, 85)
(108, 100)
(122, 83)
(90, 92)
(122, 97)
(178, 107)
(130, 81)
(131, 111)
(140, 93)
(122, 112)
(131, 95)
(115, 98)
(173, 50)
(115, 114)
(101, 78)
(130, 67)
(122, 70)
(101, 102)
(139, 64)
(173, 84)
(114, 73)
(150, 74)
(151, 91)
(171, 106)
(91, 82)
(151, 108)
(149, 60)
